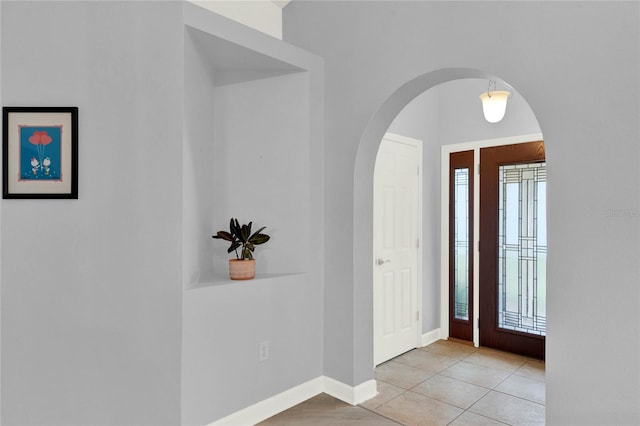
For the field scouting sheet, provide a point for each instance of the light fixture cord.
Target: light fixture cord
(489, 87)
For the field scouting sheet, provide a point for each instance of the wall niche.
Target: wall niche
(250, 120)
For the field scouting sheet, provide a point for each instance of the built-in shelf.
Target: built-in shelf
(237, 53)
(224, 280)
(236, 64)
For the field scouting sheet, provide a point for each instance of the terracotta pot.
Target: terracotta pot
(242, 269)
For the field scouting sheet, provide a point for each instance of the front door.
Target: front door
(395, 259)
(513, 248)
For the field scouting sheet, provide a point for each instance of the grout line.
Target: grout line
(456, 418)
(530, 378)
(382, 415)
(373, 410)
(519, 397)
(457, 361)
(481, 415)
(502, 381)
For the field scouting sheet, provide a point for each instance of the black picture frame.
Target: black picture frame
(50, 136)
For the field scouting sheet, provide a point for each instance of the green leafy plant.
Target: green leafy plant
(240, 236)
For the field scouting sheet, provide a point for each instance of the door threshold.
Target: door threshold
(464, 342)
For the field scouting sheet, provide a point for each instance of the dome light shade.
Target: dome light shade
(494, 105)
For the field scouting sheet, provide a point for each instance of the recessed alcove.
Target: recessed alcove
(248, 111)
(252, 149)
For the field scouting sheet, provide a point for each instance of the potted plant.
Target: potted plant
(243, 267)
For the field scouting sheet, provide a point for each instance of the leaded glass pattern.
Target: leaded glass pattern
(461, 243)
(522, 248)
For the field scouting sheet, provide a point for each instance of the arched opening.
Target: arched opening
(363, 189)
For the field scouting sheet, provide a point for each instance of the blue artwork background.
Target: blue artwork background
(28, 151)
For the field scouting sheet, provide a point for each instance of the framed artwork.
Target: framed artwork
(40, 152)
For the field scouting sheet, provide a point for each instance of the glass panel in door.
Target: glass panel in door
(522, 248)
(461, 174)
(461, 244)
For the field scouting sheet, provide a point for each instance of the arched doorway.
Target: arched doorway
(363, 197)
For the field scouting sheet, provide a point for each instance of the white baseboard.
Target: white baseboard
(283, 401)
(271, 406)
(431, 337)
(350, 394)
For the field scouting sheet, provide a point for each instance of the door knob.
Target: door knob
(382, 262)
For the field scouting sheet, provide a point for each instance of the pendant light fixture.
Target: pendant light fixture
(494, 103)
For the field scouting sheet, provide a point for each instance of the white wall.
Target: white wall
(91, 288)
(591, 138)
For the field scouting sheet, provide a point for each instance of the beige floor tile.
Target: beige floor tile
(496, 360)
(450, 349)
(509, 409)
(533, 370)
(426, 360)
(523, 387)
(401, 375)
(451, 391)
(413, 409)
(476, 374)
(409, 393)
(472, 419)
(386, 392)
(324, 410)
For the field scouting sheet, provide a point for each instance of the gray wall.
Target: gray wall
(461, 118)
(197, 165)
(223, 328)
(450, 113)
(588, 113)
(109, 310)
(262, 168)
(91, 289)
(420, 120)
(249, 153)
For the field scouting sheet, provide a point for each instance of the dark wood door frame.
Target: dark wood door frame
(490, 335)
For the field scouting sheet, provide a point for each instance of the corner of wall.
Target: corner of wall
(264, 16)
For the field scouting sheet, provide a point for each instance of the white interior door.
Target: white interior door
(396, 215)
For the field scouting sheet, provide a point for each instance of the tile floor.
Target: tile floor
(445, 383)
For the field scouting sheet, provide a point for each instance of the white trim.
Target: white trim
(350, 394)
(444, 241)
(283, 401)
(430, 337)
(485, 143)
(420, 213)
(276, 404)
(402, 139)
(444, 224)
(476, 247)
